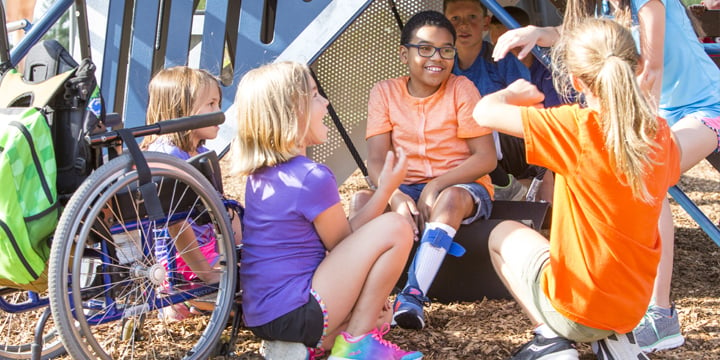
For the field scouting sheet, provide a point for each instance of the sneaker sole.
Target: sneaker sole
(665, 344)
(407, 320)
(283, 350)
(342, 358)
(569, 354)
(603, 351)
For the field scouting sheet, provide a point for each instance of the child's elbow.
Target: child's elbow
(480, 113)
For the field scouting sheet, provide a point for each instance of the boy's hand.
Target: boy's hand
(522, 93)
(404, 205)
(426, 201)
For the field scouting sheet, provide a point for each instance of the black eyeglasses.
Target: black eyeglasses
(446, 52)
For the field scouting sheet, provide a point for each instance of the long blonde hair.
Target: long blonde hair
(602, 55)
(273, 103)
(173, 93)
(577, 10)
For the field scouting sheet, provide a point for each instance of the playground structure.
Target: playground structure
(350, 44)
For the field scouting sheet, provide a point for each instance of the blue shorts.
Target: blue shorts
(699, 113)
(480, 195)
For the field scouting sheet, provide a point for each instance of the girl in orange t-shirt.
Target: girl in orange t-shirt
(614, 160)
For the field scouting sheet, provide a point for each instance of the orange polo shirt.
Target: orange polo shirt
(431, 130)
(604, 243)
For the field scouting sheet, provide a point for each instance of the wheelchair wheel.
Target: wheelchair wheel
(17, 326)
(110, 289)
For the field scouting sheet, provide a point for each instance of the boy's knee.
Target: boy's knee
(453, 195)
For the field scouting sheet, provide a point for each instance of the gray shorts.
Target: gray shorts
(542, 306)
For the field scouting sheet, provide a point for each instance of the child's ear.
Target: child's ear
(576, 83)
(403, 54)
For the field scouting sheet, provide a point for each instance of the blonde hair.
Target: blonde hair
(577, 10)
(273, 103)
(173, 93)
(602, 55)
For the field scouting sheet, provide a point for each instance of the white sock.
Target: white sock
(545, 331)
(429, 258)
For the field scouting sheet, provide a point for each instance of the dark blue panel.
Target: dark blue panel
(111, 53)
(179, 28)
(142, 50)
(213, 37)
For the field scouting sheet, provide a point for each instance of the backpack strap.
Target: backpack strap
(17, 92)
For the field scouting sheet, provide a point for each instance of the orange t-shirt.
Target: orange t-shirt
(604, 243)
(431, 130)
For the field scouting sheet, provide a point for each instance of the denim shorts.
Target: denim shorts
(480, 195)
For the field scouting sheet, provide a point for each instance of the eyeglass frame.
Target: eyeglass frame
(435, 50)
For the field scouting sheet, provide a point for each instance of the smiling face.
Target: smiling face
(470, 21)
(208, 101)
(427, 74)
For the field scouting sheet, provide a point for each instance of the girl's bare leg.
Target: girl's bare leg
(357, 276)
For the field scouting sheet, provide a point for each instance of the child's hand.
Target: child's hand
(522, 93)
(404, 205)
(426, 201)
(393, 171)
(525, 38)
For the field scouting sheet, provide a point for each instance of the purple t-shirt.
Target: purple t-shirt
(281, 248)
(205, 234)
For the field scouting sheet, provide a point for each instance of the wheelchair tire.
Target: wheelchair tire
(122, 288)
(17, 326)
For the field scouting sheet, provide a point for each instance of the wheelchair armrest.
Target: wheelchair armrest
(209, 165)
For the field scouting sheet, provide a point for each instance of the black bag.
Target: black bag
(73, 115)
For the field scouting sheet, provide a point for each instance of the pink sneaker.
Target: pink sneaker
(370, 346)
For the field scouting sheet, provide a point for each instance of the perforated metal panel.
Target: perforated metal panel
(365, 53)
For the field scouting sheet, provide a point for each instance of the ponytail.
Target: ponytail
(604, 58)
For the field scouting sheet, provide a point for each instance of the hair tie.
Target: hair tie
(609, 55)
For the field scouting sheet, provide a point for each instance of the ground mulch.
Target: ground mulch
(492, 329)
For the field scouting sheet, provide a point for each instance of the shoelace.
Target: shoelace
(315, 353)
(378, 334)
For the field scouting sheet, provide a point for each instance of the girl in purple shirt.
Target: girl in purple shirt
(312, 279)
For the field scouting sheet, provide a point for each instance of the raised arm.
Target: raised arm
(333, 226)
(652, 44)
(501, 110)
(526, 38)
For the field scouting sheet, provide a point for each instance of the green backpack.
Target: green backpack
(29, 208)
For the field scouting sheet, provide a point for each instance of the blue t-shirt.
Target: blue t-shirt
(541, 77)
(690, 78)
(281, 249)
(489, 76)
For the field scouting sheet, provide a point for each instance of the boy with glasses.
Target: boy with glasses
(429, 115)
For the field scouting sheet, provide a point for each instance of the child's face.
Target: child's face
(317, 131)
(495, 31)
(427, 73)
(470, 22)
(208, 101)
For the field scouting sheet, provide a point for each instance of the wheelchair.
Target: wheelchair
(107, 286)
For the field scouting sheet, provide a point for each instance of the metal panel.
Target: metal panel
(142, 51)
(180, 19)
(365, 53)
(112, 70)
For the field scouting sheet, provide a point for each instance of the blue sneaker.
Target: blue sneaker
(408, 309)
